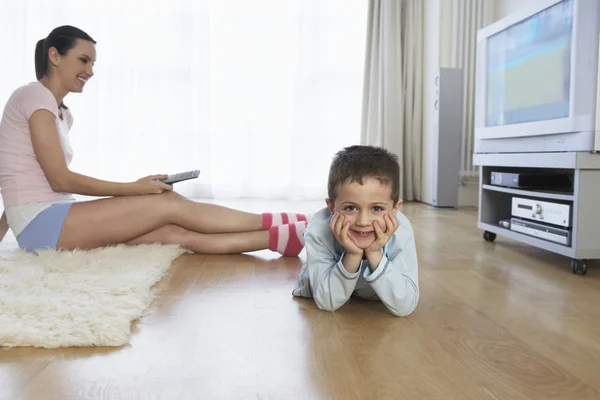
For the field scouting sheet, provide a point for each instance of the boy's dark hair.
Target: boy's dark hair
(355, 163)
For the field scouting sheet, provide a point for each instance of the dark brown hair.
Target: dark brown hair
(63, 39)
(355, 163)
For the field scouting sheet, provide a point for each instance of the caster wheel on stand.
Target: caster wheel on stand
(489, 236)
(578, 267)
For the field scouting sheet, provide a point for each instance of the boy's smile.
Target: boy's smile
(361, 205)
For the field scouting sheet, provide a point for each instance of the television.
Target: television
(536, 79)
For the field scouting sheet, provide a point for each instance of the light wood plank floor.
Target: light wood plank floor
(495, 321)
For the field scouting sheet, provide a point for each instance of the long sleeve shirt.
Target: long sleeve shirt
(323, 277)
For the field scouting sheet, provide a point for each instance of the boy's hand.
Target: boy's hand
(383, 234)
(340, 228)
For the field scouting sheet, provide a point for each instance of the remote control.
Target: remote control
(182, 176)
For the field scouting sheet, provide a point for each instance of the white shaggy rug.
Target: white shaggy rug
(82, 298)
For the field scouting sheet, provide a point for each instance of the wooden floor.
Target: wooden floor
(496, 320)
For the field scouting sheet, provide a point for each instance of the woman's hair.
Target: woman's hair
(63, 39)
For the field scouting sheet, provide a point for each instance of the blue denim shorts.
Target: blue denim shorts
(44, 230)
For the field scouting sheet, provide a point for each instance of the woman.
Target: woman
(37, 185)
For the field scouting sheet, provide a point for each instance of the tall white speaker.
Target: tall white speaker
(447, 140)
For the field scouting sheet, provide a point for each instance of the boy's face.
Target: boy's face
(361, 205)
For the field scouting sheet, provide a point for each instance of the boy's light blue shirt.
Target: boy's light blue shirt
(323, 277)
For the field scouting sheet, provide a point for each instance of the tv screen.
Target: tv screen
(529, 68)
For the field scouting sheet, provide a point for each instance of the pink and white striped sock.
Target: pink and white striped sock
(287, 239)
(274, 219)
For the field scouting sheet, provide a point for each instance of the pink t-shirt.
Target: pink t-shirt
(22, 179)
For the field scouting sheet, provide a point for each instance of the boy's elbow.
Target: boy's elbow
(328, 304)
(403, 307)
(401, 312)
(403, 301)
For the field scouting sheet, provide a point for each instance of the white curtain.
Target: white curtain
(392, 105)
(467, 17)
(257, 94)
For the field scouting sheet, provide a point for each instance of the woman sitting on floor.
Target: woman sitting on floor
(37, 185)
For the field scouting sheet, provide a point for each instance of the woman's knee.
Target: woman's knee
(175, 234)
(164, 204)
(168, 234)
(164, 196)
(172, 196)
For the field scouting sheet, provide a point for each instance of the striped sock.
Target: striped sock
(287, 239)
(274, 219)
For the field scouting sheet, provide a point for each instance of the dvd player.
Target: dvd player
(541, 231)
(543, 211)
(541, 180)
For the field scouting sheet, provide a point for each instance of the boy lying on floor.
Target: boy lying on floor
(361, 245)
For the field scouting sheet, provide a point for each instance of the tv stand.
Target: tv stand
(584, 197)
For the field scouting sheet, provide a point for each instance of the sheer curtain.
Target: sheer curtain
(460, 51)
(392, 105)
(258, 94)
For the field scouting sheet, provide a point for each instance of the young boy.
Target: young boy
(360, 245)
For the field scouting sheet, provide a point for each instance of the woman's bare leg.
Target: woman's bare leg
(206, 243)
(116, 220)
